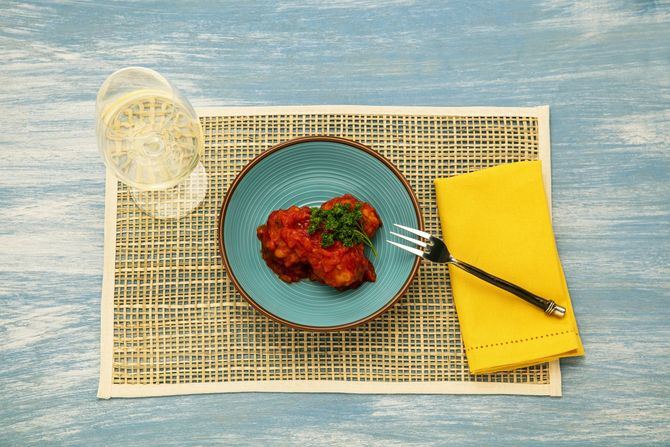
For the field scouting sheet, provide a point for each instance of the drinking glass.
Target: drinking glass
(150, 138)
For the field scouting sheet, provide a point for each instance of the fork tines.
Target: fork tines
(416, 232)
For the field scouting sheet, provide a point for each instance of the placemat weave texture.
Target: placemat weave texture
(173, 322)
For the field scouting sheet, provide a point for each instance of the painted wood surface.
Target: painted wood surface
(604, 67)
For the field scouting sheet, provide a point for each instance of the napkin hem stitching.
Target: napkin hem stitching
(520, 340)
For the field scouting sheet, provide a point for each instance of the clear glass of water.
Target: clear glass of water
(151, 139)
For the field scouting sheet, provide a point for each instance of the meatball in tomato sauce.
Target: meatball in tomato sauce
(371, 221)
(294, 250)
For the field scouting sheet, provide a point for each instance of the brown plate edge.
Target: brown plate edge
(291, 142)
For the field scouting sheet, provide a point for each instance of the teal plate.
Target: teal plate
(309, 171)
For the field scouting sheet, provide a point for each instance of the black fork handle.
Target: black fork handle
(549, 307)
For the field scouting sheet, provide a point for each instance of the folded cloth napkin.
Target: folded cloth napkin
(498, 220)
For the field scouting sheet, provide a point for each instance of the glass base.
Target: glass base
(176, 202)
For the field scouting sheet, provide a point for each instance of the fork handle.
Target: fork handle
(549, 307)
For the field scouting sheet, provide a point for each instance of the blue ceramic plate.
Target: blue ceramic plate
(309, 171)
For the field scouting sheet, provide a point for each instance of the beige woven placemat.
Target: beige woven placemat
(172, 322)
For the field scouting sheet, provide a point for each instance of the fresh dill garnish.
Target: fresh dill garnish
(342, 222)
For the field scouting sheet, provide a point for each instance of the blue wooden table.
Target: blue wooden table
(604, 67)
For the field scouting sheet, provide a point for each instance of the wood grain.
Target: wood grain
(602, 66)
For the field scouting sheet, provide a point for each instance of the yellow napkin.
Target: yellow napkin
(498, 220)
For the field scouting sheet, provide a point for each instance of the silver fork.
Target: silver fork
(435, 250)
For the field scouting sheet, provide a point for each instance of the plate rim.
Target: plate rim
(286, 144)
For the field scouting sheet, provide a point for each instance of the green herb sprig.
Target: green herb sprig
(343, 223)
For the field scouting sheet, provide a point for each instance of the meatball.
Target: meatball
(341, 267)
(285, 243)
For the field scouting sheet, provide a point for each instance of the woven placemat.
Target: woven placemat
(172, 322)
